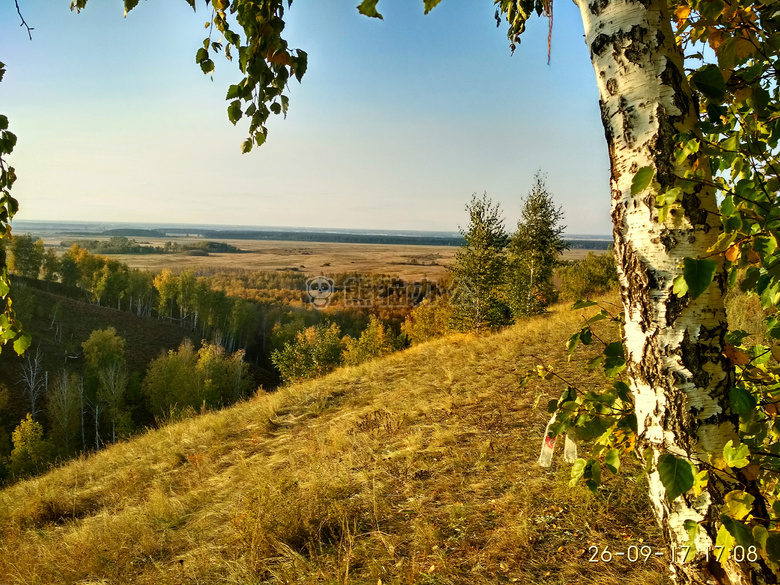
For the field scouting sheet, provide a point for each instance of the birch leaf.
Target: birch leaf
(642, 180)
(736, 456)
(676, 475)
(698, 275)
(738, 504)
(739, 531)
(368, 8)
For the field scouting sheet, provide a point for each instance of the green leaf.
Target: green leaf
(246, 146)
(430, 5)
(741, 400)
(614, 349)
(623, 390)
(680, 287)
(613, 366)
(581, 304)
(711, 9)
(201, 55)
(764, 246)
(207, 66)
(233, 92)
(597, 317)
(709, 81)
(736, 457)
(642, 180)
(577, 469)
(129, 5)
(738, 504)
(612, 460)
(571, 344)
(691, 529)
(22, 343)
(698, 275)
(589, 427)
(368, 8)
(234, 112)
(739, 531)
(676, 475)
(773, 547)
(592, 475)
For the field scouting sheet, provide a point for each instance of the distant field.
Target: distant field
(310, 258)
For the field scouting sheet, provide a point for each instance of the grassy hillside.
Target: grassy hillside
(417, 468)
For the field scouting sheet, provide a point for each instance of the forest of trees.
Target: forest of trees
(243, 316)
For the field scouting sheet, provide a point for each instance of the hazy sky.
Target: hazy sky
(397, 122)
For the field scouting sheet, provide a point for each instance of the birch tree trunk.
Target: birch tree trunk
(679, 377)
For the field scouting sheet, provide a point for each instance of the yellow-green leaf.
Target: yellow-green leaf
(736, 456)
(642, 180)
(738, 504)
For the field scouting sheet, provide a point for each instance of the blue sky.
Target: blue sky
(397, 122)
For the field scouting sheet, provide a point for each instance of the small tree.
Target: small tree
(167, 285)
(185, 379)
(534, 250)
(374, 341)
(103, 348)
(314, 352)
(65, 406)
(111, 392)
(427, 321)
(69, 270)
(480, 264)
(33, 380)
(26, 256)
(31, 453)
(104, 352)
(51, 265)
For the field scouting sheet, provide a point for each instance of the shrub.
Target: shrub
(593, 275)
(31, 454)
(314, 352)
(375, 341)
(188, 379)
(427, 321)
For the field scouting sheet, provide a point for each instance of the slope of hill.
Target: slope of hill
(417, 468)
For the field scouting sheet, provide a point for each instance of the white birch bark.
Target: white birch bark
(679, 377)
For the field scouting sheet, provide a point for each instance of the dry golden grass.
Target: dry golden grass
(416, 468)
(310, 258)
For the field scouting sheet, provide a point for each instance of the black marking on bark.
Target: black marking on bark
(597, 6)
(668, 240)
(612, 86)
(695, 213)
(641, 281)
(601, 43)
(627, 113)
(672, 77)
(635, 52)
(675, 306)
(662, 148)
(607, 125)
(659, 38)
(693, 355)
(646, 370)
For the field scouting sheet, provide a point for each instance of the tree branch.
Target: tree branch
(24, 22)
